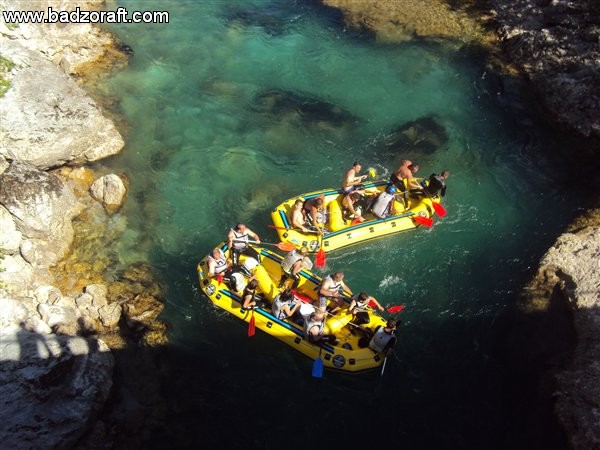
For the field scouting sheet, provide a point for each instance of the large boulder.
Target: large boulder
(47, 120)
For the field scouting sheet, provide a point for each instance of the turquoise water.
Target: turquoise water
(233, 107)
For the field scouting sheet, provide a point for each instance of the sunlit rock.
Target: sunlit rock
(110, 190)
(10, 238)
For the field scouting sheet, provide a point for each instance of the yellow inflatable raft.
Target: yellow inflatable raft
(349, 353)
(341, 231)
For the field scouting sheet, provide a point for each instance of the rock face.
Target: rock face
(51, 122)
(40, 208)
(560, 315)
(60, 382)
(557, 45)
(110, 190)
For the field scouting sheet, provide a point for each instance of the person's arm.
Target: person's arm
(230, 238)
(443, 191)
(352, 306)
(212, 264)
(389, 346)
(374, 301)
(346, 288)
(253, 235)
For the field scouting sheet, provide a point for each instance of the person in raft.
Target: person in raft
(238, 242)
(352, 180)
(285, 305)
(384, 339)
(437, 184)
(249, 295)
(383, 206)
(218, 264)
(293, 263)
(314, 329)
(314, 209)
(332, 286)
(403, 179)
(359, 307)
(299, 217)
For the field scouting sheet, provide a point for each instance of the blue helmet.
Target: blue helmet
(391, 189)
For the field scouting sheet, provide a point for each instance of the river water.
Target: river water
(235, 106)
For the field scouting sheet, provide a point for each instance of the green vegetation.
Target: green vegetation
(6, 66)
(11, 25)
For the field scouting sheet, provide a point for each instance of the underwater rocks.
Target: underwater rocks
(303, 109)
(110, 190)
(397, 21)
(422, 136)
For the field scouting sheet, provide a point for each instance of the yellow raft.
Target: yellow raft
(342, 233)
(350, 353)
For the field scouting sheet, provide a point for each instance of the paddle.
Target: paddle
(391, 309)
(278, 228)
(284, 246)
(251, 325)
(425, 221)
(439, 209)
(220, 278)
(317, 368)
(383, 366)
(320, 258)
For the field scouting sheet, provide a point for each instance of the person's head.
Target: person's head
(391, 189)
(317, 315)
(338, 276)
(216, 253)
(355, 196)
(357, 166)
(391, 324)
(319, 200)
(362, 297)
(253, 284)
(445, 174)
(240, 228)
(298, 204)
(286, 294)
(413, 168)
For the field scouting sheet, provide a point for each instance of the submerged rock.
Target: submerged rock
(424, 136)
(291, 106)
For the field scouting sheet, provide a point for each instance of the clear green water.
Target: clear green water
(204, 151)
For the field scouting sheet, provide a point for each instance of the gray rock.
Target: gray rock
(42, 207)
(110, 315)
(10, 238)
(47, 119)
(110, 191)
(51, 388)
(12, 312)
(55, 315)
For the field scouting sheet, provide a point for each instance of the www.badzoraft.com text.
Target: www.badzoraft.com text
(78, 15)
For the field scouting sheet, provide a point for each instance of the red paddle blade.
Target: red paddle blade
(395, 309)
(251, 326)
(425, 221)
(220, 278)
(301, 297)
(320, 258)
(439, 209)
(372, 304)
(286, 246)
(355, 221)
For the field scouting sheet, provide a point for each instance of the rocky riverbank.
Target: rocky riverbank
(553, 47)
(63, 324)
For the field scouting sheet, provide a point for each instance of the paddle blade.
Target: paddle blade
(439, 209)
(220, 279)
(320, 258)
(277, 228)
(425, 221)
(317, 368)
(286, 246)
(356, 221)
(395, 309)
(383, 366)
(251, 326)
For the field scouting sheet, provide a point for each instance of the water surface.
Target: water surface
(235, 106)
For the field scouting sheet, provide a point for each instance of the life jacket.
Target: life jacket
(334, 288)
(380, 208)
(311, 322)
(436, 184)
(243, 239)
(380, 340)
(221, 263)
(290, 259)
(361, 306)
(278, 304)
